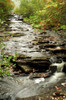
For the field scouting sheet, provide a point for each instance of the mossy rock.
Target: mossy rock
(16, 34)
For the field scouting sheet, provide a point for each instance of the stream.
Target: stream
(38, 52)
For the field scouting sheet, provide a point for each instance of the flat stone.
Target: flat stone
(26, 68)
(4, 35)
(17, 35)
(38, 75)
(58, 50)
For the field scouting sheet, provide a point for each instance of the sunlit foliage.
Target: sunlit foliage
(44, 14)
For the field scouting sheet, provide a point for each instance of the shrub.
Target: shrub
(5, 61)
(28, 8)
(44, 14)
(5, 8)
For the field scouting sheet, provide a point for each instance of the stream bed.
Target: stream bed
(39, 53)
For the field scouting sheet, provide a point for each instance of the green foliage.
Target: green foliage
(63, 27)
(5, 61)
(44, 14)
(15, 56)
(28, 8)
(5, 8)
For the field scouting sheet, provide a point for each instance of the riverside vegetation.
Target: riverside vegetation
(5, 61)
(44, 14)
(6, 7)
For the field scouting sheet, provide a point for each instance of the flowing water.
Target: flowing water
(24, 42)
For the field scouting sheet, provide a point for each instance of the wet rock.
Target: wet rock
(59, 67)
(30, 46)
(27, 63)
(26, 68)
(53, 69)
(44, 41)
(20, 17)
(25, 29)
(1, 30)
(29, 98)
(5, 97)
(43, 33)
(58, 50)
(64, 68)
(47, 46)
(50, 45)
(17, 35)
(8, 29)
(62, 56)
(35, 42)
(23, 61)
(5, 35)
(38, 75)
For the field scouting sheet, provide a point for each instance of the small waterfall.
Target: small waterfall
(59, 71)
(59, 66)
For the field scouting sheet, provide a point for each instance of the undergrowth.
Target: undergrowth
(5, 61)
(6, 7)
(44, 14)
